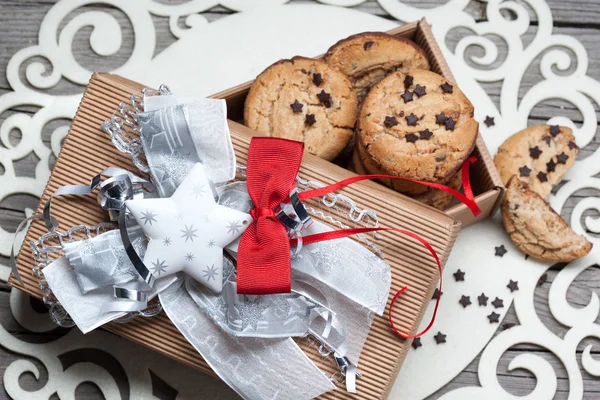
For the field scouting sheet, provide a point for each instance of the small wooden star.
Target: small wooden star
(500, 251)
(513, 286)
(554, 130)
(494, 318)
(465, 301)
(325, 98)
(407, 96)
(317, 79)
(436, 294)
(390, 121)
(450, 123)
(498, 303)
(489, 121)
(535, 152)
(440, 119)
(411, 138)
(440, 338)
(542, 279)
(446, 87)
(310, 119)
(483, 299)
(411, 120)
(408, 81)
(459, 275)
(420, 90)
(425, 135)
(551, 166)
(562, 158)
(542, 176)
(297, 106)
(524, 170)
(416, 343)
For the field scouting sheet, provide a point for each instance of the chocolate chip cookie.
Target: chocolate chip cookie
(369, 57)
(539, 155)
(417, 125)
(536, 229)
(305, 100)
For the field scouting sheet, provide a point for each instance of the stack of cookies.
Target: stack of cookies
(531, 162)
(373, 98)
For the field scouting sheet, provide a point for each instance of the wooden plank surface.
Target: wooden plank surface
(19, 24)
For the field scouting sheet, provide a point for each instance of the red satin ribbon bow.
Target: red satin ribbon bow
(263, 264)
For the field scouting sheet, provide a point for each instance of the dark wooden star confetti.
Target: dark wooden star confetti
(524, 170)
(498, 303)
(562, 158)
(547, 139)
(459, 275)
(411, 120)
(482, 299)
(420, 90)
(325, 98)
(368, 45)
(465, 301)
(542, 279)
(543, 177)
(407, 96)
(494, 317)
(297, 106)
(436, 294)
(440, 338)
(416, 343)
(554, 130)
(535, 152)
(390, 121)
(440, 119)
(573, 145)
(408, 81)
(551, 166)
(489, 121)
(425, 135)
(411, 138)
(450, 123)
(513, 286)
(317, 79)
(310, 119)
(500, 251)
(508, 325)
(446, 87)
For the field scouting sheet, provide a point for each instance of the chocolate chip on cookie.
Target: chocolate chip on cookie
(524, 171)
(287, 90)
(390, 121)
(446, 87)
(440, 119)
(554, 130)
(573, 146)
(411, 138)
(369, 57)
(412, 119)
(317, 79)
(325, 98)
(408, 81)
(425, 135)
(407, 96)
(297, 106)
(420, 90)
(517, 151)
(450, 124)
(535, 152)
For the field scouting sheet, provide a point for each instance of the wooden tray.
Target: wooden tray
(88, 150)
(487, 185)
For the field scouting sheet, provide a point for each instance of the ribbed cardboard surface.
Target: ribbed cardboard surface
(487, 185)
(88, 150)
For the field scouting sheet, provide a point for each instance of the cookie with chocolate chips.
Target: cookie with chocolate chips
(369, 57)
(430, 143)
(305, 100)
(536, 229)
(539, 155)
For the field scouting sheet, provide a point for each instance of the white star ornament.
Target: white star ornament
(189, 230)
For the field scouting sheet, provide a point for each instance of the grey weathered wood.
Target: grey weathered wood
(19, 23)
